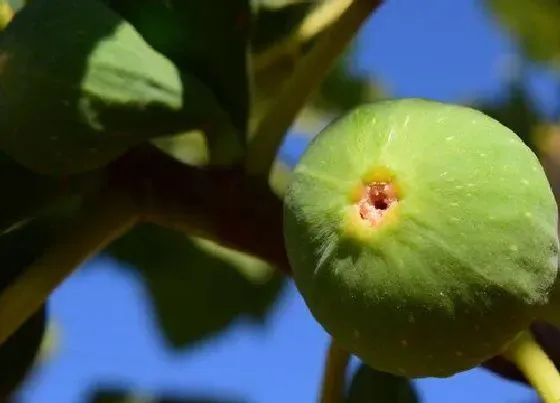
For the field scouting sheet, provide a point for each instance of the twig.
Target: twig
(281, 114)
(100, 222)
(334, 377)
(533, 362)
(322, 17)
(6, 14)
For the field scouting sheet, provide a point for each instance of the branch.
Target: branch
(219, 204)
(322, 17)
(6, 14)
(334, 377)
(270, 131)
(101, 221)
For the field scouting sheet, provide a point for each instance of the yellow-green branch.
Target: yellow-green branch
(537, 367)
(100, 222)
(6, 14)
(334, 377)
(313, 68)
(321, 18)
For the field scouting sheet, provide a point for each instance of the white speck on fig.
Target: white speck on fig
(449, 138)
(406, 120)
(404, 343)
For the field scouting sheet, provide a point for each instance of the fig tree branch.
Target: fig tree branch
(219, 204)
(6, 14)
(334, 375)
(102, 220)
(321, 18)
(313, 68)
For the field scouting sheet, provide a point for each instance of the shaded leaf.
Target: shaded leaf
(18, 249)
(369, 385)
(198, 288)
(207, 39)
(121, 396)
(534, 23)
(79, 86)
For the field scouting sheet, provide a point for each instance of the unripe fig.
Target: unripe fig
(422, 236)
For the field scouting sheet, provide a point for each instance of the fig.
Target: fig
(422, 235)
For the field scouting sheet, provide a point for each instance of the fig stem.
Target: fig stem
(334, 376)
(270, 131)
(101, 220)
(6, 14)
(535, 364)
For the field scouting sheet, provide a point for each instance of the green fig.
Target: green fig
(422, 236)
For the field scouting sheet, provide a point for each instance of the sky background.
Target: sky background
(440, 49)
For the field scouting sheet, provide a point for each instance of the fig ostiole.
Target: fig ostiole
(422, 235)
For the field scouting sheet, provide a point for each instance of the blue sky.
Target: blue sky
(441, 49)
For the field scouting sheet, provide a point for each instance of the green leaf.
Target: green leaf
(18, 249)
(369, 385)
(208, 39)
(79, 86)
(534, 23)
(121, 396)
(198, 288)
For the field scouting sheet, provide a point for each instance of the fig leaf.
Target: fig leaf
(184, 274)
(208, 39)
(79, 86)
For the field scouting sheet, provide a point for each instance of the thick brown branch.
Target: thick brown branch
(223, 205)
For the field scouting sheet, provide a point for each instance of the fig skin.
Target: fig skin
(462, 262)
